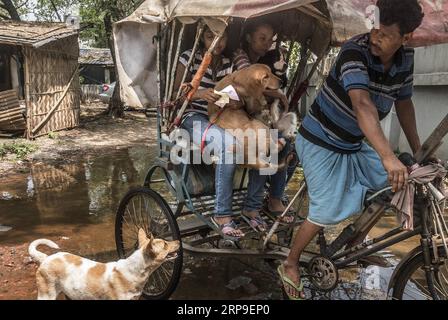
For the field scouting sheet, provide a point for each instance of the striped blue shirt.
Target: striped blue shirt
(331, 121)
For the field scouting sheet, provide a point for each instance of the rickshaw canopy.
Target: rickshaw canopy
(323, 22)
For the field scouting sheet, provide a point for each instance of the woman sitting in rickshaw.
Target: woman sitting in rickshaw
(257, 40)
(196, 114)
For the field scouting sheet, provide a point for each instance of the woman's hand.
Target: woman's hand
(207, 94)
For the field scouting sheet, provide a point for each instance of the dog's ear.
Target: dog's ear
(142, 239)
(264, 79)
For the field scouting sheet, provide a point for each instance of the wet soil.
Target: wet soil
(69, 190)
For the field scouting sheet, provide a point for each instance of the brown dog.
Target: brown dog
(250, 84)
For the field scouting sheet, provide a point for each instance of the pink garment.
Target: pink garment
(403, 200)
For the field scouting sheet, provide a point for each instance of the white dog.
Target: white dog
(83, 279)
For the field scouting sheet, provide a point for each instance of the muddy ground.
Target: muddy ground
(78, 214)
(96, 133)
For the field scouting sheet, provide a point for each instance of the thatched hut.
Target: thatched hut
(39, 67)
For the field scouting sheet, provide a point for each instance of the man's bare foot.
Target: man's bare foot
(292, 272)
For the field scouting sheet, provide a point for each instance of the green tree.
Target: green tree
(97, 19)
(98, 16)
(54, 10)
(8, 10)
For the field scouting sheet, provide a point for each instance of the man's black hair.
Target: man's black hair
(408, 14)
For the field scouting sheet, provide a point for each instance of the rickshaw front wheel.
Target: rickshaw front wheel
(145, 208)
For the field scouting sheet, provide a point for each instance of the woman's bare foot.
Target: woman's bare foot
(228, 228)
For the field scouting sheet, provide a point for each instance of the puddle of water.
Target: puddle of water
(76, 200)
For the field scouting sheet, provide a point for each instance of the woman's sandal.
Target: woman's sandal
(229, 229)
(289, 283)
(257, 223)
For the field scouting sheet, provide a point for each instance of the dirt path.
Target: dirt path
(95, 132)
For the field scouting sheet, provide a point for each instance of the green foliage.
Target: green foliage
(19, 149)
(22, 7)
(294, 59)
(97, 16)
(53, 135)
(54, 10)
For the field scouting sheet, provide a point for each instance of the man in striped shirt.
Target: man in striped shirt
(372, 73)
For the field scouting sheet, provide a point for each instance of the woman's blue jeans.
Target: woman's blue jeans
(196, 124)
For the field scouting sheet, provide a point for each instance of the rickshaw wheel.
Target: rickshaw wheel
(145, 208)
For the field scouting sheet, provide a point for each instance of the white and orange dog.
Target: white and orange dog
(83, 279)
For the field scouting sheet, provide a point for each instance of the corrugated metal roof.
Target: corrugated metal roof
(96, 57)
(34, 34)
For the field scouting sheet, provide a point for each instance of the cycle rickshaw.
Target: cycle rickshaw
(162, 30)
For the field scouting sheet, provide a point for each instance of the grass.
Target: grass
(19, 149)
(53, 135)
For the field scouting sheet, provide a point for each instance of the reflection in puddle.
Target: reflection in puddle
(76, 199)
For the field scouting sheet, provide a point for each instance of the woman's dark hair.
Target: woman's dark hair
(201, 39)
(250, 28)
(408, 14)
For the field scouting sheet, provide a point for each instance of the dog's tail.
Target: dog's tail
(37, 255)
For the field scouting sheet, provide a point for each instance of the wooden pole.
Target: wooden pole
(29, 104)
(168, 69)
(199, 32)
(175, 61)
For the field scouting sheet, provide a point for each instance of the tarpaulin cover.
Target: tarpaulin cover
(136, 51)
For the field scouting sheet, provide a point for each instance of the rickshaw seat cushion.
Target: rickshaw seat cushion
(201, 179)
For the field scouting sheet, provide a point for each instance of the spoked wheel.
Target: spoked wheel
(412, 284)
(145, 208)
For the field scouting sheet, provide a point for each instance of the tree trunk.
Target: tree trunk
(116, 106)
(9, 6)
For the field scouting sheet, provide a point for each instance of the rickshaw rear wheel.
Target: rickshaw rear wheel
(145, 208)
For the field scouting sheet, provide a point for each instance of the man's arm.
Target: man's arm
(368, 121)
(406, 115)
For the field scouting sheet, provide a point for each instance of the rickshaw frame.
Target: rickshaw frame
(201, 205)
